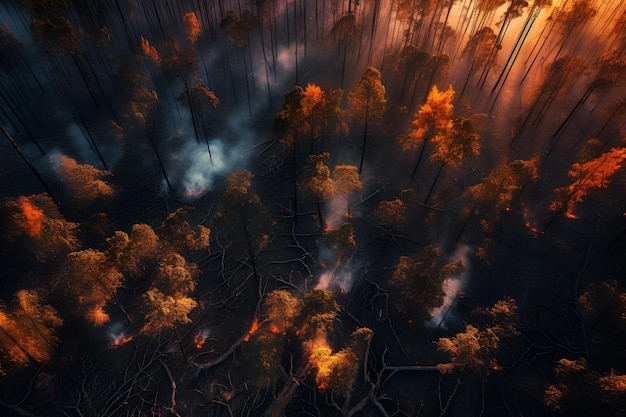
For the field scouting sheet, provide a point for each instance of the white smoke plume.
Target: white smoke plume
(452, 287)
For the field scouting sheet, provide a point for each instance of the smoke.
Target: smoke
(202, 170)
(451, 287)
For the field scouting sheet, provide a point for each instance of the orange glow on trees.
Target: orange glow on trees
(33, 218)
(90, 279)
(83, 180)
(192, 27)
(587, 176)
(28, 330)
(38, 217)
(498, 189)
(253, 328)
(149, 51)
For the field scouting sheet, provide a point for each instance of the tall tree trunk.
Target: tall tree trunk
(432, 187)
(158, 155)
(31, 166)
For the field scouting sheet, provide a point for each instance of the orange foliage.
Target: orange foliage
(253, 328)
(120, 340)
(192, 27)
(588, 176)
(149, 51)
(33, 217)
(435, 114)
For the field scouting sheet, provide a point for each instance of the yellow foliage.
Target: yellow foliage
(317, 177)
(164, 311)
(346, 179)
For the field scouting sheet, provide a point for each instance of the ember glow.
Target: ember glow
(253, 328)
(200, 338)
(33, 217)
(120, 340)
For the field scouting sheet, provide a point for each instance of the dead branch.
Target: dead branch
(172, 408)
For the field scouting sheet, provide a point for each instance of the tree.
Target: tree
(28, 330)
(392, 214)
(138, 111)
(341, 241)
(178, 234)
(417, 283)
(242, 210)
(90, 279)
(497, 190)
(192, 27)
(136, 252)
(281, 309)
(37, 217)
(289, 123)
(454, 146)
(266, 347)
(317, 314)
(322, 112)
(470, 351)
(237, 27)
(168, 303)
(318, 181)
(346, 178)
(199, 99)
(84, 181)
(434, 116)
(586, 176)
(475, 349)
(481, 51)
(366, 103)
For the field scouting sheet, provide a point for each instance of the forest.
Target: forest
(312, 208)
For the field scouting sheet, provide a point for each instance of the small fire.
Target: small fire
(342, 289)
(199, 339)
(120, 340)
(532, 227)
(570, 215)
(274, 329)
(348, 215)
(33, 218)
(196, 192)
(253, 329)
(328, 227)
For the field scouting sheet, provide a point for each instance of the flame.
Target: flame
(196, 192)
(274, 329)
(532, 227)
(327, 227)
(33, 217)
(199, 340)
(120, 340)
(348, 215)
(570, 215)
(253, 329)
(342, 289)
